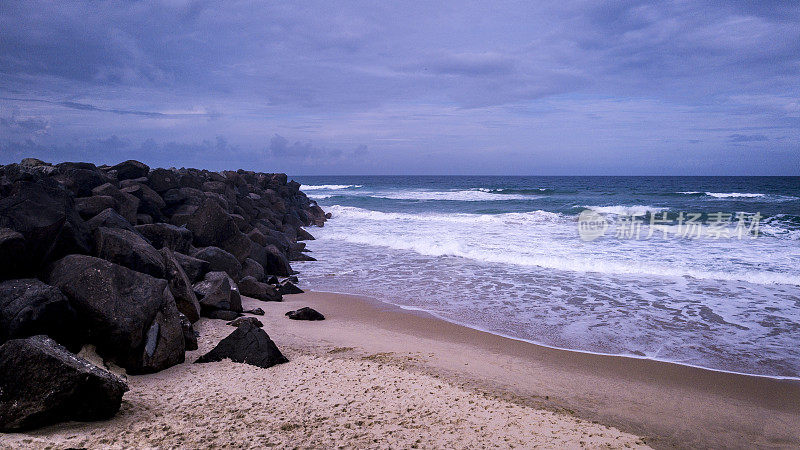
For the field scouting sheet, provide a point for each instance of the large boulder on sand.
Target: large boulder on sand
(250, 287)
(218, 292)
(29, 307)
(220, 261)
(42, 383)
(128, 249)
(161, 235)
(247, 344)
(305, 313)
(180, 286)
(131, 317)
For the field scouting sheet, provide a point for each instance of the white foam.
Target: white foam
(732, 195)
(626, 210)
(538, 216)
(462, 196)
(330, 187)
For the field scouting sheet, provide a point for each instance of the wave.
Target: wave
(626, 210)
(312, 187)
(461, 196)
(723, 194)
(520, 218)
(507, 191)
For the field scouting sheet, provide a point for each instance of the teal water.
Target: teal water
(504, 254)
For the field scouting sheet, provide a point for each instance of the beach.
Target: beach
(374, 375)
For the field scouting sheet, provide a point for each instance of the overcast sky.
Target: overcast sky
(557, 88)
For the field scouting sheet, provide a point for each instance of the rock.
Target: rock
(276, 262)
(305, 313)
(286, 287)
(29, 307)
(109, 219)
(150, 202)
(303, 235)
(12, 244)
(255, 312)
(212, 226)
(128, 249)
(300, 256)
(131, 317)
(180, 286)
(273, 280)
(251, 268)
(131, 169)
(43, 213)
(125, 204)
(161, 235)
(218, 292)
(81, 181)
(42, 383)
(189, 335)
(220, 260)
(221, 314)
(241, 320)
(247, 344)
(251, 287)
(194, 268)
(89, 207)
(143, 219)
(162, 180)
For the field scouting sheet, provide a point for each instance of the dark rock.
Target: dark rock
(273, 280)
(241, 320)
(189, 335)
(286, 287)
(42, 383)
(305, 313)
(128, 249)
(251, 287)
(276, 262)
(29, 307)
(126, 204)
(221, 314)
(218, 292)
(131, 317)
(43, 213)
(247, 344)
(162, 180)
(253, 269)
(143, 219)
(12, 244)
(303, 235)
(161, 235)
(131, 169)
(220, 260)
(109, 219)
(89, 207)
(258, 237)
(81, 181)
(180, 286)
(212, 226)
(255, 312)
(150, 202)
(194, 268)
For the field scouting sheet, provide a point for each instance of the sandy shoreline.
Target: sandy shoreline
(375, 372)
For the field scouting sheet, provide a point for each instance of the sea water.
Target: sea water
(713, 283)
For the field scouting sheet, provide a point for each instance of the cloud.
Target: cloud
(747, 138)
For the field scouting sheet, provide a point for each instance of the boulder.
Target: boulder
(216, 292)
(81, 181)
(128, 249)
(180, 286)
(241, 320)
(305, 313)
(247, 344)
(161, 235)
(143, 219)
(131, 317)
(220, 260)
(286, 287)
(275, 262)
(125, 204)
(109, 219)
(12, 245)
(303, 235)
(212, 226)
(250, 287)
(42, 383)
(194, 268)
(189, 335)
(42, 212)
(150, 202)
(162, 180)
(221, 314)
(255, 311)
(29, 307)
(89, 207)
(251, 268)
(131, 169)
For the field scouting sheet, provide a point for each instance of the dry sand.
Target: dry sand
(372, 375)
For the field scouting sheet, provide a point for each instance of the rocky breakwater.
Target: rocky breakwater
(126, 258)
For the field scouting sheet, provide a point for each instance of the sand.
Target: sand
(372, 375)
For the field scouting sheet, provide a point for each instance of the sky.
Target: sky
(574, 87)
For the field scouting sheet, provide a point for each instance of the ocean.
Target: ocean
(703, 271)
